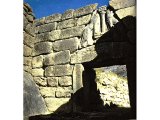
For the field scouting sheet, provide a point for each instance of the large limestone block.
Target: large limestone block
(52, 81)
(41, 81)
(54, 35)
(67, 14)
(27, 51)
(28, 39)
(30, 29)
(38, 72)
(63, 94)
(27, 69)
(42, 48)
(61, 57)
(72, 32)
(71, 44)
(59, 70)
(65, 81)
(27, 61)
(42, 37)
(84, 20)
(55, 104)
(85, 10)
(119, 4)
(38, 22)
(37, 61)
(47, 91)
(47, 27)
(66, 24)
(53, 18)
(96, 25)
(84, 55)
(130, 11)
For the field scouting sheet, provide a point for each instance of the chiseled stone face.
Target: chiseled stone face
(38, 72)
(47, 27)
(66, 24)
(54, 35)
(84, 20)
(63, 94)
(53, 18)
(37, 62)
(52, 81)
(68, 14)
(65, 81)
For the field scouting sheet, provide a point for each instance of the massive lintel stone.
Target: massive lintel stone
(68, 14)
(59, 70)
(47, 27)
(66, 24)
(27, 51)
(37, 62)
(28, 39)
(61, 57)
(47, 91)
(130, 11)
(84, 20)
(84, 55)
(42, 37)
(85, 10)
(119, 4)
(42, 48)
(71, 44)
(65, 81)
(53, 18)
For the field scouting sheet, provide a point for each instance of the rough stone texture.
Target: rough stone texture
(41, 81)
(84, 55)
(126, 12)
(77, 77)
(37, 62)
(53, 18)
(32, 100)
(54, 104)
(85, 10)
(47, 27)
(42, 48)
(47, 91)
(27, 51)
(72, 32)
(27, 61)
(119, 4)
(52, 81)
(65, 81)
(30, 29)
(28, 39)
(54, 35)
(71, 44)
(66, 24)
(67, 14)
(27, 69)
(63, 94)
(39, 72)
(38, 22)
(61, 57)
(96, 25)
(42, 37)
(59, 70)
(84, 20)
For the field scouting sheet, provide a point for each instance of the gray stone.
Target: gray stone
(47, 27)
(30, 18)
(28, 40)
(37, 62)
(42, 48)
(47, 91)
(96, 25)
(33, 102)
(38, 22)
(63, 94)
(53, 18)
(66, 24)
(59, 70)
(84, 55)
(38, 72)
(30, 29)
(41, 81)
(85, 10)
(54, 35)
(27, 61)
(27, 69)
(65, 81)
(52, 81)
(61, 57)
(27, 51)
(71, 44)
(42, 37)
(25, 22)
(68, 14)
(119, 4)
(84, 20)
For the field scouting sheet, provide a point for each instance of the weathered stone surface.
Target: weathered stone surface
(72, 32)
(61, 57)
(47, 27)
(30, 29)
(42, 37)
(96, 25)
(38, 22)
(66, 24)
(30, 18)
(77, 77)
(71, 44)
(27, 69)
(68, 14)
(84, 20)
(63, 94)
(85, 10)
(37, 61)
(25, 22)
(84, 55)
(118, 4)
(54, 104)
(126, 11)
(28, 39)
(47, 91)
(65, 81)
(27, 61)
(27, 51)
(59, 70)
(41, 81)
(54, 35)
(52, 81)
(42, 48)
(32, 100)
(39, 72)
(53, 18)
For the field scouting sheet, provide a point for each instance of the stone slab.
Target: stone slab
(67, 14)
(54, 35)
(47, 91)
(28, 40)
(66, 24)
(53, 18)
(84, 20)
(38, 72)
(47, 27)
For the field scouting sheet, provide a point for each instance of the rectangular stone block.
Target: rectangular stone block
(41, 81)
(71, 44)
(61, 57)
(84, 20)
(47, 91)
(42, 37)
(27, 51)
(53, 18)
(38, 72)
(67, 14)
(63, 94)
(27, 61)
(85, 10)
(52, 81)
(42, 48)
(47, 27)
(27, 69)
(28, 40)
(59, 70)
(65, 81)
(66, 24)
(37, 62)
(54, 35)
